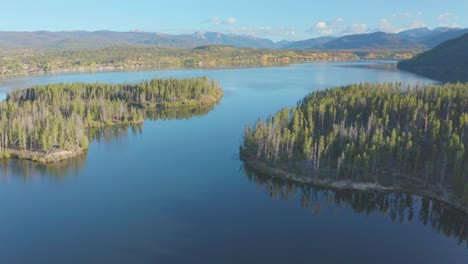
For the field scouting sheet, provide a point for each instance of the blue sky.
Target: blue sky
(274, 19)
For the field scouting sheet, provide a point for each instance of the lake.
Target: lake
(174, 190)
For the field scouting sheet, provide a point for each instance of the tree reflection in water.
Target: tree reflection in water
(28, 170)
(179, 113)
(400, 207)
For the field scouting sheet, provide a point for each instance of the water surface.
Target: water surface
(174, 190)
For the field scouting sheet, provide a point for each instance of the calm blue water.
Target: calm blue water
(176, 192)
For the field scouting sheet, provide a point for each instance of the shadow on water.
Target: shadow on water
(180, 113)
(28, 170)
(110, 133)
(377, 65)
(399, 207)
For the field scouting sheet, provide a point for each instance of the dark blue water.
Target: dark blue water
(174, 191)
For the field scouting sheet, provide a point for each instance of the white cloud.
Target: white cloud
(286, 31)
(335, 21)
(416, 23)
(386, 26)
(229, 21)
(279, 31)
(252, 31)
(322, 28)
(447, 19)
(356, 29)
(398, 22)
(212, 20)
(327, 28)
(216, 21)
(402, 15)
(446, 16)
(401, 22)
(336, 27)
(450, 25)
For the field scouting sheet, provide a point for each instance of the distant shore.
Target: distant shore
(169, 67)
(175, 67)
(139, 58)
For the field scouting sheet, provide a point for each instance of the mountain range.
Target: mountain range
(420, 38)
(410, 39)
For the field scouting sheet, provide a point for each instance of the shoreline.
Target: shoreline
(178, 67)
(278, 173)
(40, 156)
(56, 154)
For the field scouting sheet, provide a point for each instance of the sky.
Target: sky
(273, 19)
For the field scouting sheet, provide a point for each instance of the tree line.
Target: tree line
(137, 57)
(58, 115)
(369, 132)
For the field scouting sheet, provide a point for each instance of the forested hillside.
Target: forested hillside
(135, 57)
(392, 134)
(446, 62)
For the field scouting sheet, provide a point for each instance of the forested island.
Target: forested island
(51, 122)
(389, 136)
(141, 57)
(57, 171)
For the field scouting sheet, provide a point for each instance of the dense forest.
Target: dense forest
(138, 57)
(401, 208)
(105, 134)
(391, 134)
(37, 121)
(446, 62)
(57, 171)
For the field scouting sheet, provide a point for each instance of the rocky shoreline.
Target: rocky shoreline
(40, 156)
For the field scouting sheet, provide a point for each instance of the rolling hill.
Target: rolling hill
(376, 40)
(309, 44)
(429, 37)
(446, 62)
(435, 39)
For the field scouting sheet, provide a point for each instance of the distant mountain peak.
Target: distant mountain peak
(416, 29)
(199, 35)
